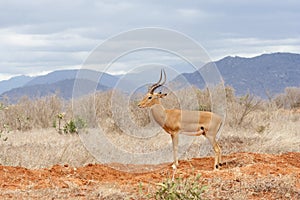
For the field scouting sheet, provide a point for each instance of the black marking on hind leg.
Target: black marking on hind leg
(217, 166)
(203, 130)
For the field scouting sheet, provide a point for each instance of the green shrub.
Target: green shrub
(70, 127)
(180, 188)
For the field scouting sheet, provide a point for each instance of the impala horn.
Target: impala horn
(158, 84)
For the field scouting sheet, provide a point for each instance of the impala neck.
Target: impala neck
(159, 114)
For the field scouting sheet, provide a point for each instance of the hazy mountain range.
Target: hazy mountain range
(267, 73)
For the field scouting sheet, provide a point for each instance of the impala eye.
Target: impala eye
(150, 97)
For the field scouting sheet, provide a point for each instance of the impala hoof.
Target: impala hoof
(218, 166)
(174, 166)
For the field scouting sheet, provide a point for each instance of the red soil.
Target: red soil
(240, 169)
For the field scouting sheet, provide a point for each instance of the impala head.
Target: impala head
(151, 97)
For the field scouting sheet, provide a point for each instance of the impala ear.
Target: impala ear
(162, 95)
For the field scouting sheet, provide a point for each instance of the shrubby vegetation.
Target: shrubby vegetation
(290, 99)
(251, 124)
(181, 188)
(243, 112)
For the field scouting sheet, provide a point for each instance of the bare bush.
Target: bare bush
(84, 108)
(204, 100)
(239, 110)
(28, 114)
(140, 116)
(290, 99)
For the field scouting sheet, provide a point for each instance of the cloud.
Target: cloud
(249, 47)
(24, 53)
(50, 34)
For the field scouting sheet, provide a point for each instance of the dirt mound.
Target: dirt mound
(245, 175)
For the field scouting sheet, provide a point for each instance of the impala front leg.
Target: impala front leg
(175, 149)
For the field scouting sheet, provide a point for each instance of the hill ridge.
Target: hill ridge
(260, 75)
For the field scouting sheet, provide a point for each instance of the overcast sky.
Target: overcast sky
(45, 35)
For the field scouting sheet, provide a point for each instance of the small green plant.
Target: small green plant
(60, 117)
(181, 188)
(70, 127)
(140, 188)
(54, 124)
(2, 106)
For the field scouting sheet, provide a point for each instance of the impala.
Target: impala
(175, 121)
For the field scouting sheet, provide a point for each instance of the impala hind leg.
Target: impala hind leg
(175, 149)
(219, 155)
(218, 152)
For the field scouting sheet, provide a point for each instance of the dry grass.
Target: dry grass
(42, 148)
(105, 192)
(263, 188)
